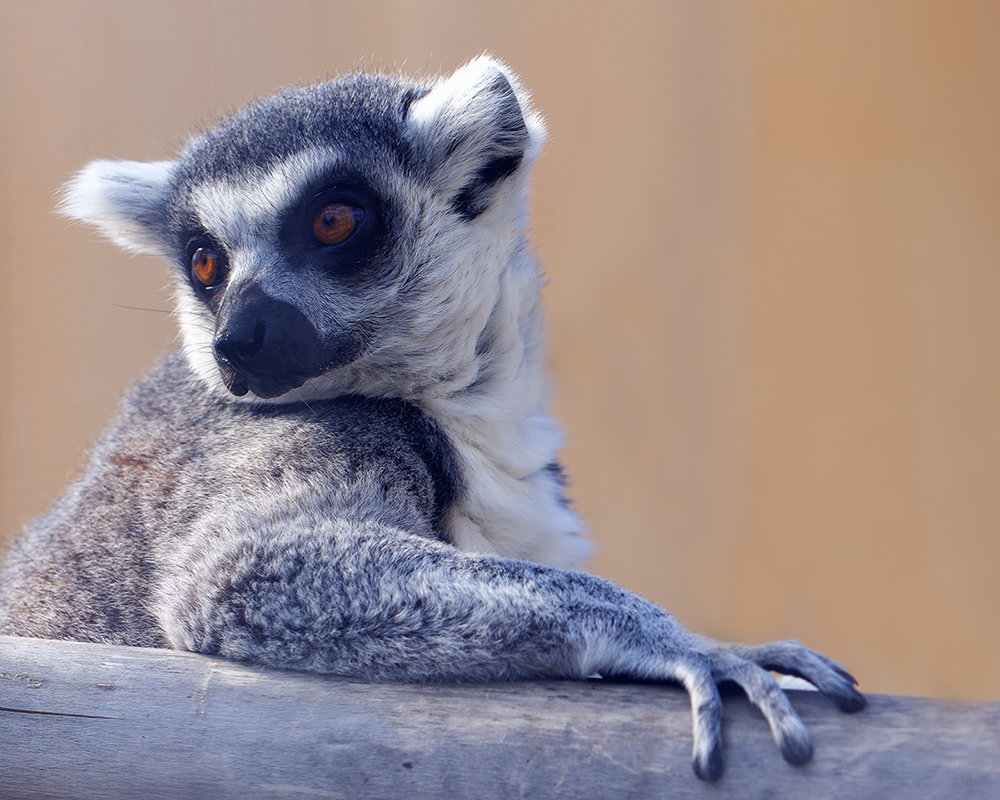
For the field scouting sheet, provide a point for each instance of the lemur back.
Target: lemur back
(350, 466)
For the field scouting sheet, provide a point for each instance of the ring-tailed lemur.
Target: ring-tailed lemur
(350, 467)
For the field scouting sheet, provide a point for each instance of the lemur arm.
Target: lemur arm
(286, 588)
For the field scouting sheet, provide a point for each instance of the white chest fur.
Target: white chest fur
(511, 502)
(511, 514)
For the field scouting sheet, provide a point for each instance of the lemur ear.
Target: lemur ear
(125, 200)
(474, 130)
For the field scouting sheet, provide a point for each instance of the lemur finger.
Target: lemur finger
(787, 652)
(838, 688)
(838, 668)
(824, 673)
(789, 732)
(706, 712)
(791, 649)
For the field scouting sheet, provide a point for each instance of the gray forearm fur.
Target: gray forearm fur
(367, 600)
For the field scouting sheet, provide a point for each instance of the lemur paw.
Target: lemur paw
(702, 670)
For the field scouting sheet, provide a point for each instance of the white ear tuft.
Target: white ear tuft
(125, 200)
(474, 129)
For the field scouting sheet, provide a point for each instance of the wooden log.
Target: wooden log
(98, 721)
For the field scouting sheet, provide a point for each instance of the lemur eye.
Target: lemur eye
(206, 266)
(335, 222)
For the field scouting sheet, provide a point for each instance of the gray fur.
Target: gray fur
(350, 468)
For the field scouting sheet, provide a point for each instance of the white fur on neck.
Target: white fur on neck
(505, 439)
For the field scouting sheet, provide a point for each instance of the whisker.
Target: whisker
(143, 308)
(306, 404)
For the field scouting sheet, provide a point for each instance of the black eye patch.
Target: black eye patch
(337, 226)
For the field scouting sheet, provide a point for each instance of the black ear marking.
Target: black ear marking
(474, 197)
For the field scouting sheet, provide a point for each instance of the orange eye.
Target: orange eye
(335, 222)
(205, 266)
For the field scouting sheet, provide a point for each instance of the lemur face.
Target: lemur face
(347, 236)
(289, 270)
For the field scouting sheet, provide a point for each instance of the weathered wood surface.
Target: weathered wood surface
(96, 721)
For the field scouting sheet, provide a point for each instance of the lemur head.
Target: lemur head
(348, 236)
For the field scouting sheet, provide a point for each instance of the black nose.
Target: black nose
(241, 346)
(265, 345)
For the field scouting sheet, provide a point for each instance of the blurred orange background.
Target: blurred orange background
(772, 232)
